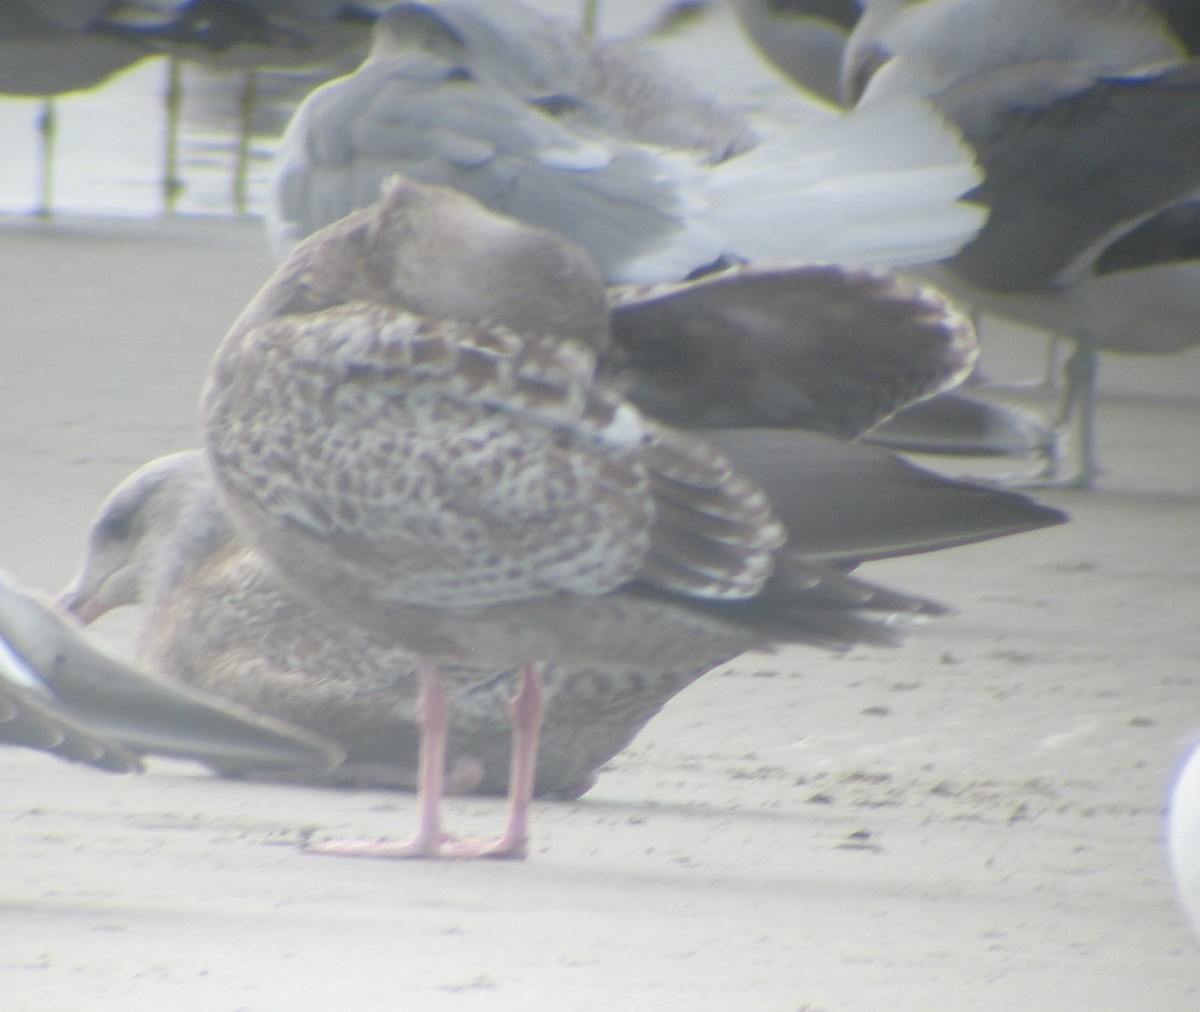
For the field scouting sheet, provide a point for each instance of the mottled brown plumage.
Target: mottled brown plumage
(216, 618)
(436, 460)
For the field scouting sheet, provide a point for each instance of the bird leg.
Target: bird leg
(525, 712)
(1077, 411)
(48, 128)
(172, 185)
(433, 711)
(246, 109)
(1082, 370)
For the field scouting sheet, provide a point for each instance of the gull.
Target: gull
(62, 694)
(602, 144)
(808, 347)
(1112, 263)
(215, 618)
(246, 36)
(59, 46)
(47, 50)
(1082, 118)
(1183, 836)
(924, 46)
(411, 424)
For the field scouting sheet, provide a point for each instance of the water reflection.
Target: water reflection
(111, 141)
(110, 153)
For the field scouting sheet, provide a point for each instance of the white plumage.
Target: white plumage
(604, 146)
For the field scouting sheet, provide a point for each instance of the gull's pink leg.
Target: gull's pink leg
(434, 714)
(525, 711)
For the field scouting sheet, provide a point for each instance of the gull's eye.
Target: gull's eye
(558, 105)
(116, 525)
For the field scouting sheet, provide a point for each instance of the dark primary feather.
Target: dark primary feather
(955, 423)
(1171, 236)
(885, 506)
(1072, 157)
(811, 346)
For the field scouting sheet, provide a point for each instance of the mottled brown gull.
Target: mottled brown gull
(408, 423)
(214, 617)
(805, 346)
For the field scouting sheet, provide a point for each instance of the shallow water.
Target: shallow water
(111, 141)
(110, 153)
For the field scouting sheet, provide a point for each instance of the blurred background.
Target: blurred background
(233, 71)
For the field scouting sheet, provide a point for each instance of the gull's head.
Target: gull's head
(160, 521)
(452, 258)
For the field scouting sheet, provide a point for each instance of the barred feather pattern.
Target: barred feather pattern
(462, 465)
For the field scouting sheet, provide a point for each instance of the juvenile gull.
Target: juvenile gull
(807, 346)
(214, 616)
(407, 422)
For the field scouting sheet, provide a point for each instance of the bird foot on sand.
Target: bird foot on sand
(504, 848)
(446, 847)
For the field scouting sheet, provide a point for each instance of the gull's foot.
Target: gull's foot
(386, 850)
(505, 848)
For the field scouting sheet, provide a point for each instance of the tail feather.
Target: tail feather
(879, 185)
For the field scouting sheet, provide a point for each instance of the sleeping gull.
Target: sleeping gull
(601, 144)
(810, 346)
(214, 617)
(61, 693)
(408, 424)
(1083, 117)
(604, 145)
(1093, 233)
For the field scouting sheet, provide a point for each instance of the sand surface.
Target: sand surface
(972, 821)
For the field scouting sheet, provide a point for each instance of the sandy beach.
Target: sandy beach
(972, 821)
